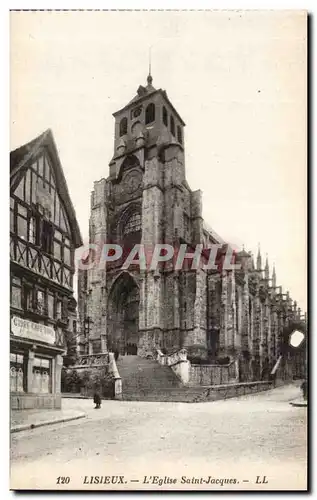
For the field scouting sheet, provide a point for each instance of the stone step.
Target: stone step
(145, 378)
(182, 395)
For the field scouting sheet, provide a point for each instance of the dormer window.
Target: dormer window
(123, 127)
(165, 117)
(172, 126)
(150, 113)
(179, 135)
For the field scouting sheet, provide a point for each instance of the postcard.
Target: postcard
(158, 173)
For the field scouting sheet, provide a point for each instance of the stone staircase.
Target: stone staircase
(146, 380)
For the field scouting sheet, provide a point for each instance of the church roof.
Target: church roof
(22, 157)
(144, 92)
(213, 233)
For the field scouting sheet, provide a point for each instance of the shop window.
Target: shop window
(17, 372)
(41, 375)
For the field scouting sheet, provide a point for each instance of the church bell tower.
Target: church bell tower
(145, 200)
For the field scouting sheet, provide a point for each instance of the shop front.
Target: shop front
(35, 365)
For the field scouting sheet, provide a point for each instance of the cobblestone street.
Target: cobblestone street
(242, 438)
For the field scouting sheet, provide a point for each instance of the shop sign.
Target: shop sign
(33, 331)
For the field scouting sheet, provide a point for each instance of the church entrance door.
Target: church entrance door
(123, 315)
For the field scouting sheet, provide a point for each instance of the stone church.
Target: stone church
(215, 314)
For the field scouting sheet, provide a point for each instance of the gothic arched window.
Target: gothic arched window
(172, 126)
(150, 113)
(179, 135)
(133, 224)
(123, 126)
(165, 117)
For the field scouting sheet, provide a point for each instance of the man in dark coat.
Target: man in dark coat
(97, 400)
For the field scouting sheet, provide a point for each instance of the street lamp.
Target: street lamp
(87, 322)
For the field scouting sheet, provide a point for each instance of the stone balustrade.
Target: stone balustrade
(206, 375)
(199, 375)
(117, 379)
(178, 362)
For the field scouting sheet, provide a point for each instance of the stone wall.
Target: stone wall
(232, 391)
(35, 401)
(213, 374)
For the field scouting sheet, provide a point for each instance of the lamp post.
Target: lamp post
(87, 322)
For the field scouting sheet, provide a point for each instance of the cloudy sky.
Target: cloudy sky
(237, 78)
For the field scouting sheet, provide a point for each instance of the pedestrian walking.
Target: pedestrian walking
(116, 354)
(97, 400)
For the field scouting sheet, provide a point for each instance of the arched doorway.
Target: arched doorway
(123, 315)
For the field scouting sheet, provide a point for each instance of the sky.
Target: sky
(238, 80)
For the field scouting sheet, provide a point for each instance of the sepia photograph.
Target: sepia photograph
(158, 250)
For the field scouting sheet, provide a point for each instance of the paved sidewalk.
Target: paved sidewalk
(29, 419)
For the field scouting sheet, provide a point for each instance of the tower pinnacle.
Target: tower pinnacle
(274, 276)
(149, 78)
(267, 269)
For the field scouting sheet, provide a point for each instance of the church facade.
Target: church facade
(215, 313)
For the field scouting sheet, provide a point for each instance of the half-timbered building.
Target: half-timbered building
(44, 234)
